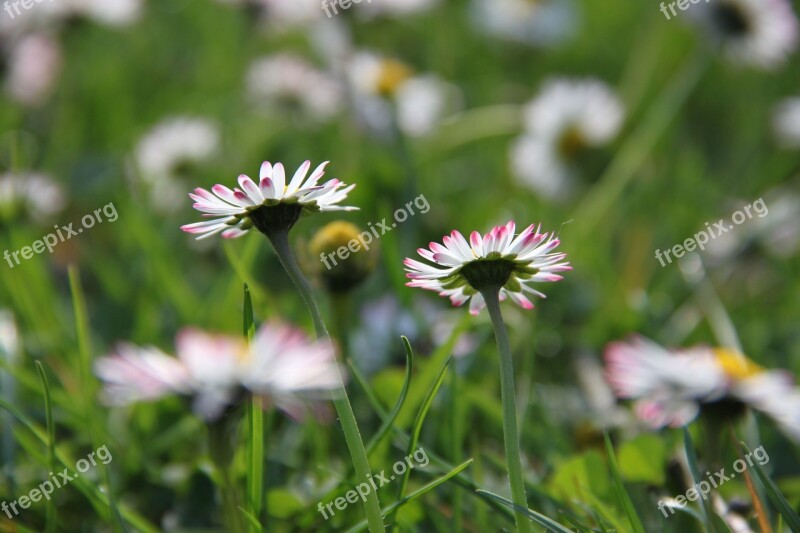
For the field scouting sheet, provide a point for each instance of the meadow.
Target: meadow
(547, 279)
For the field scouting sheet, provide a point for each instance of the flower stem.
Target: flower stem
(221, 452)
(509, 398)
(358, 454)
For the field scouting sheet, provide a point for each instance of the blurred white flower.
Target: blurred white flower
(281, 79)
(670, 387)
(282, 364)
(34, 66)
(171, 144)
(37, 194)
(567, 116)
(108, 12)
(9, 337)
(733, 519)
(776, 231)
(786, 122)
(759, 33)
(536, 22)
(282, 14)
(384, 86)
(393, 8)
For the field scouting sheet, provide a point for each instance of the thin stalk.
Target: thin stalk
(509, 399)
(355, 445)
(221, 452)
(342, 309)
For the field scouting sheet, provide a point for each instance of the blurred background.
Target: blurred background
(670, 123)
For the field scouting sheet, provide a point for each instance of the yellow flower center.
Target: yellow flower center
(392, 75)
(571, 142)
(735, 365)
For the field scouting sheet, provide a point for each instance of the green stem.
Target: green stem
(358, 454)
(221, 452)
(509, 398)
(342, 310)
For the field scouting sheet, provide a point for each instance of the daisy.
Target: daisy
(170, 146)
(271, 206)
(385, 87)
(109, 12)
(566, 117)
(463, 271)
(38, 194)
(671, 387)
(216, 371)
(485, 271)
(538, 22)
(395, 8)
(282, 15)
(760, 33)
(282, 79)
(786, 122)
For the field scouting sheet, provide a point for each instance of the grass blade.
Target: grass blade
(390, 509)
(389, 420)
(691, 460)
(417, 429)
(50, 520)
(98, 498)
(255, 424)
(622, 494)
(548, 523)
(252, 520)
(776, 497)
(87, 385)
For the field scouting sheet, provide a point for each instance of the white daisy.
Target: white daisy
(460, 270)
(760, 33)
(276, 80)
(34, 66)
(671, 387)
(282, 364)
(38, 194)
(394, 8)
(383, 85)
(270, 206)
(536, 22)
(786, 122)
(282, 14)
(170, 145)
(174, 142)
(108, 12)
(566, 117)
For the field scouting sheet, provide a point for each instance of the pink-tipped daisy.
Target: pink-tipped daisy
(271, 206)
(671, 387)
(216, 371)
(498, 260)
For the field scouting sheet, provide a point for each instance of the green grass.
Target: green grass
(696, 145)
